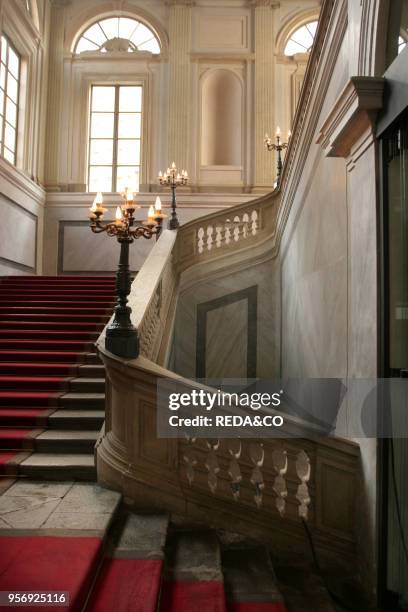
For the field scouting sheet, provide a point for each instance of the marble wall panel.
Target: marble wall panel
(265, 277)
(18, 238)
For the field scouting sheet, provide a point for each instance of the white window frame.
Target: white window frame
(115, 165)
(3, 110)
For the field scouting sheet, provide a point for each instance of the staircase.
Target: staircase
(107, 557)
(52, 385)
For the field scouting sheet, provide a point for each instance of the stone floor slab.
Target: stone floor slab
(27, 488)
(77, 520)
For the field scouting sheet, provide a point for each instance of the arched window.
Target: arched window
(118, 34)
(301, 40)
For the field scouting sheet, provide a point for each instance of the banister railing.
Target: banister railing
(226, 231)
(261, 487)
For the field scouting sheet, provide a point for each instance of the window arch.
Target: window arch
(118, 34)
(301, 41)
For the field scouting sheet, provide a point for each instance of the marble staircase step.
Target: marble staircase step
(87, 385)
(91, 371)
(59, 466)
(82, 401)
(76, 419)
(66, 441)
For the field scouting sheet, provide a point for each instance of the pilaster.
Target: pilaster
(55, 88)
(264, 91)
(179, 84)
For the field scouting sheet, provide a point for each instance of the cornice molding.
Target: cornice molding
(267, 3)
(353, 114)
(180, 2)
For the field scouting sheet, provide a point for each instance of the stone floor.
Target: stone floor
(28, 505)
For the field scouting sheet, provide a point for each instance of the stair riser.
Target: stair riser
(77, 386)
(85, 404)
(44, 334)
(64, 446)
(44, 345)
(77, 424)
(43, 356)
(72, 327)
(58, 473)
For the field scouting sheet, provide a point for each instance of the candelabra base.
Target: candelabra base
(173, 224)
(122, 342)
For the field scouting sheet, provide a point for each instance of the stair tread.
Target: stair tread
(78, 414)
(83, 396)
(68, 434)
(57, 460)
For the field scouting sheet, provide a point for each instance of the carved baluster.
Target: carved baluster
(257, 455)
(234, 471)
(236, 228)
(303, 470)
(280, 465)
(254, 222)
(218, 236)
(245, 227)
(227, 231)
(200, 242)
(190, 460)
(211, 463)
(209, 237)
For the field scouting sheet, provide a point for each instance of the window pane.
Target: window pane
(151, 45)
(129, 152)
(11, 112)
(103, 99)
(14, 63)
(101, 152)
(303, 37)
(292, 48)
(127, 27)
(130, 99)
(1, 128)
(3, 76)
(141, 35)
(100, 179)
(110, 27)
(12, 87)
(10, 137)
(96, 35)
(4, 49)
(9, 155)
(127, 176)
(102, 125)
(129, 125)
(86, 45)
(1, 102)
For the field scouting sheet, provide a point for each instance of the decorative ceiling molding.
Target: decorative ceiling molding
(354, 112)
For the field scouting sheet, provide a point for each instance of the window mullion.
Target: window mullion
(115, 140)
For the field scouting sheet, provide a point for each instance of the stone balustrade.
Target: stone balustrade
(264, 488)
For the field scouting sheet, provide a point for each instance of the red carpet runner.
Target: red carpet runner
(47, 327)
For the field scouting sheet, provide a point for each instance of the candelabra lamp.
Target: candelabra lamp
(121, 337)
(277, 146)
(173, 179)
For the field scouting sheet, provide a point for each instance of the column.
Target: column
(55, 87)
(180, 84)
(264, 115)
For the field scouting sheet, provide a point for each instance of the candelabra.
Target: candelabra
(279, 147)
(121, 337)
(173, 179)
